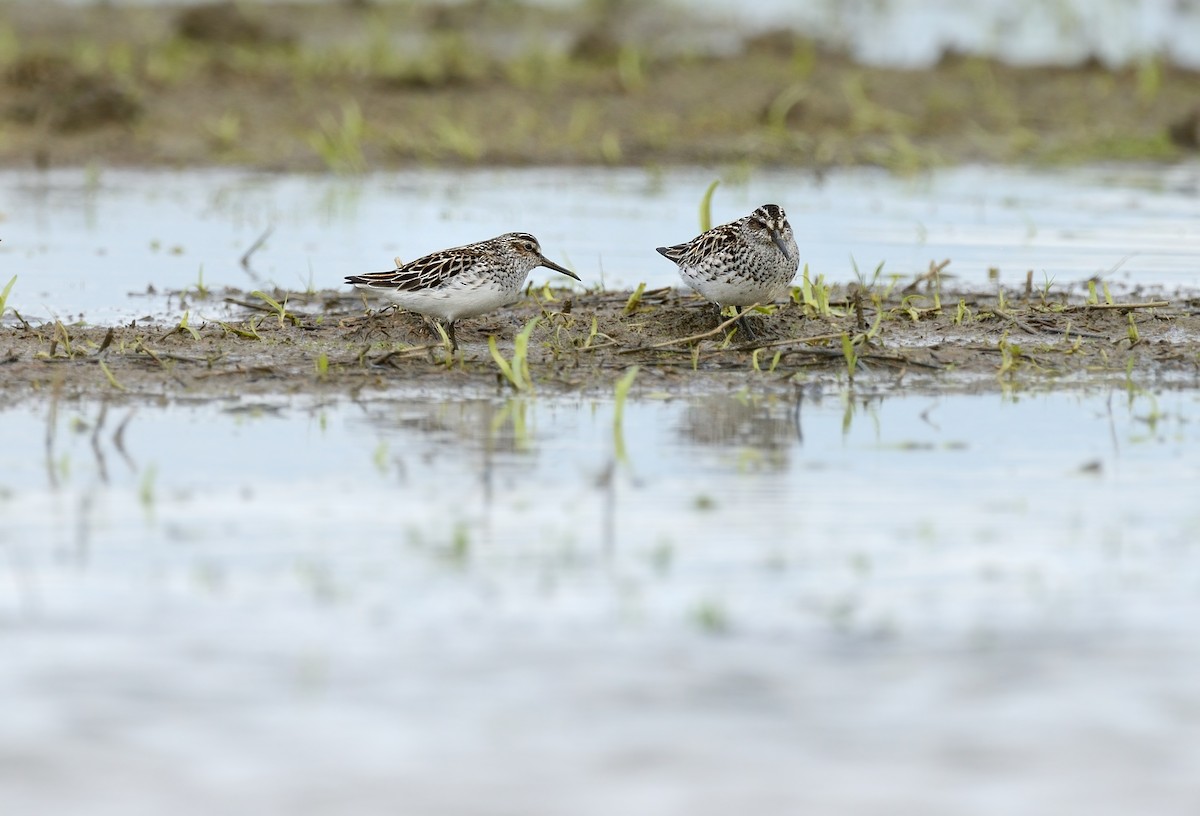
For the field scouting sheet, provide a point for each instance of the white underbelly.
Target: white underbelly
(451, 303)
(732, 292)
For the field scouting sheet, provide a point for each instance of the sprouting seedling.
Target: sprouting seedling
(814, 295)
(4, 294)
(757, 365)
(447, 344)
(61, 335)
(277, 308)
(592, 332)
(1134, 336)
(1010, 356)
(201, 289)
(516, 371)
(850, 354)
(1047, 282)
(706, 206)
(250, 332)
(112, 380)
(863, 283)
(322, 365)
(635, 299)
(184, 327)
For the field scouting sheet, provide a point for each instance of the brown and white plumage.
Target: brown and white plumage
(747, 261)
(462, 281)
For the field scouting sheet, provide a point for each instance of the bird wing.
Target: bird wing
(704, 245)
(431, 272)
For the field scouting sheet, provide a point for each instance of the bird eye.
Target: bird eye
(528, 245)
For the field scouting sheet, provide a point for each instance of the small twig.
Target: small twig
(870, 356)
(726, 324)
(1031, 329)
(816, 338)
(258, 307)
(935, 269)
(1150, 304)
(414, 351)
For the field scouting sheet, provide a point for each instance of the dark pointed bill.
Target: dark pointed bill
(546, 262)
(778, 239)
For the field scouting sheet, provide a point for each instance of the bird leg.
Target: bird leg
(744, 324)
(453, 340)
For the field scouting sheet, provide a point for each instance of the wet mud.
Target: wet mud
(330, 343)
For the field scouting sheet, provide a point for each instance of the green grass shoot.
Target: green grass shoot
(814, 295)
(4, 294)
(706, 206)
(446, 344)
(112, 380)
(1134, 336)
(277, 308)
(635, 299)
(322, 365)
(516, 371)
(850, 354)
(248, 333)
(201, 290)
(184, 327)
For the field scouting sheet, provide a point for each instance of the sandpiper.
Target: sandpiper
(463, 281)
(747, 261)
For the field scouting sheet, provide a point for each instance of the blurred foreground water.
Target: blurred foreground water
(850, 602)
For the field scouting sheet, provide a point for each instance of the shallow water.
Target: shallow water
(851, 602)
(82, 243)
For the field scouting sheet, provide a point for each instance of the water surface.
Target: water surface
(981, 603)
(94, 243)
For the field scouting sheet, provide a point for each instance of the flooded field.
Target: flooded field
(850, 602)
(957, 574)
(82, 243)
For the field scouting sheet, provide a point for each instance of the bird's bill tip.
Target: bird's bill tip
(549, 264)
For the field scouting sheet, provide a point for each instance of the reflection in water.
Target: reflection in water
(487, 425)
(767, 426)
